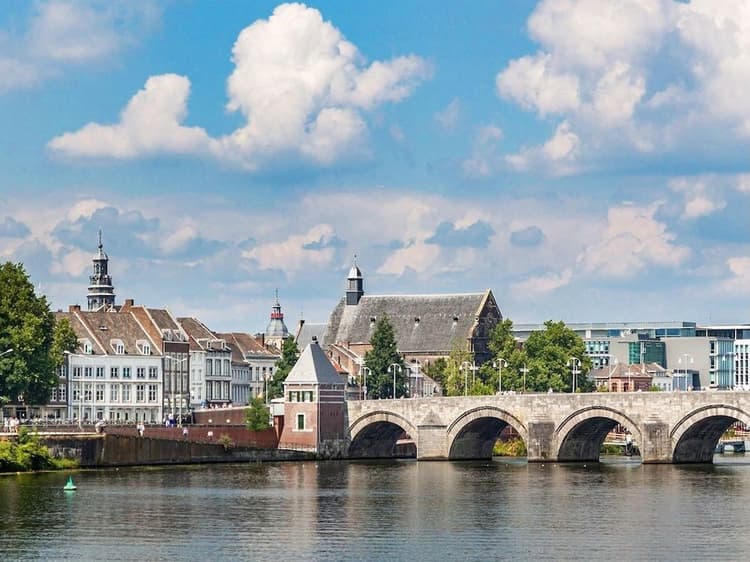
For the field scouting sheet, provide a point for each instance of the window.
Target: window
(126, 393)
(114, 392)
(63, 393)
(209, 368)
(87, 372)
(152, 393)
(55, 395)
(153, 372)
(140, 372)
(100, 372)
(99, 392)
(87, 393)
(139, 392)
(300, 422)
(226, 367)
(114, 372)
(76, 372)
(76, 392)
(126, 372)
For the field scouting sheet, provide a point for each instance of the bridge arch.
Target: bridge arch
(579, 436)
(472, 435)
(695, 436)
(375, 434)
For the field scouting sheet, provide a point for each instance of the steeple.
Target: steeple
(101, 292)
(276, 332)
(355, 287)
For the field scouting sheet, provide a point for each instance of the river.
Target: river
(504, 509)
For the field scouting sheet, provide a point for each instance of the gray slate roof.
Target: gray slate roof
(421, 322)
(313, 367)
(308, 331)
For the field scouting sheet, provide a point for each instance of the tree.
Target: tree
(549, 354)
(257, 415)
(26, 326)
(289, 356)
(379, 359)
(63, 339)
(457, 381)
(437, 371)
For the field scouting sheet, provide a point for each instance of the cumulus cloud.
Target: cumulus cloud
(632, 77)
(527, 237)
(475, 235)
(313, 249)
(632, 240)
(558, 155)
(301, 87)
(540, 284)
(64, 33)
(739, 268)
(418, 257)
(485, 158)
(149, 124)
(698, 201)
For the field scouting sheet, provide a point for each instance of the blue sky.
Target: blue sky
(587, 161)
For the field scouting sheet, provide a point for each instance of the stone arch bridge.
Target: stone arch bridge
(668, 427)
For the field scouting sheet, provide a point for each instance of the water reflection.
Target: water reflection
(617, 509)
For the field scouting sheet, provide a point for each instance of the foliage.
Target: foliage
(63, 339)
(28, 453)
(437, 371)
(654, 388)
(257, 415)
(226, 442)
(379, 359)
(505, 349)
(289, 356)
(510, 448)
(457, 380)
(549, 353)
(26, 326)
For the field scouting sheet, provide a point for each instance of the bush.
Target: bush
(28, 453)
(510, 448)
(226, 441)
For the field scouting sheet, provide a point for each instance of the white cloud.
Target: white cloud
(179, 238)
(64, 33)
(743, 183)
(600, 64)
(632, 241)
(85, 208)
(448, 118)
(739, 266)
(418, 257)
(300, 85)
(698, 202)
(536, 285)
(150, 123)
(72, 263)
(291, 256)
(557, 155)
(485, 158)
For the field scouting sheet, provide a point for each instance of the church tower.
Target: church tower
(101, 292)
(276, 332)
(355, 288)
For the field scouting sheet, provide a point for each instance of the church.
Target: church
(427, 327)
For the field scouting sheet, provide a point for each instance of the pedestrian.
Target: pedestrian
(185, 432)
(141, 429)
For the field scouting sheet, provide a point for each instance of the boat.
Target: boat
(70, 487)
(734, 447)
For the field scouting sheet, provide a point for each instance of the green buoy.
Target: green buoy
(70, 487)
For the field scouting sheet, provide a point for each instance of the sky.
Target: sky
(587, 161)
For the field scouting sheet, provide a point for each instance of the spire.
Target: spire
(355, 287)
(276, 332)
(101, 291)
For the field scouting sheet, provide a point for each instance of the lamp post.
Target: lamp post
(394, 367)
(687, 359)
(524, 370)
(418, 388)
(468, 366)
(574, 363)
(181, 394)
(363, 372)
(499, 364)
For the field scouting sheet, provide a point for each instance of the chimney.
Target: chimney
(129, 303)
(74, 308)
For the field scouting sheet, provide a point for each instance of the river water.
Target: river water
(504, 509)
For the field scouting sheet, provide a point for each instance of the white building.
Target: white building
(210, 365)
(252, 364)
(742, 364)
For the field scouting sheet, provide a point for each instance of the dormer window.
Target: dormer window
(373, 319)
(416, 321)
(86, 346)
(117, 346)
(144, 347)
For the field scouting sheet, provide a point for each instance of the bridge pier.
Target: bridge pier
(433, 445)
(540, 446)
(656, 447)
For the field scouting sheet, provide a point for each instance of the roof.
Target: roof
(431, 323)
(313, 367)
(307, 332)
(621, 371)
(244, 345)
(101, 327)
(197, 332)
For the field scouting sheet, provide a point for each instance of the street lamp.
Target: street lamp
(418, 388)
(524, 370)
(395, 367)
(574, 363)
(687, 359)
(174, 360)
(499, 364)
(468, 366)
(363, 372)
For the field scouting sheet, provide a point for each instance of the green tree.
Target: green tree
(549, 355)
(289, 356)
(379, 359)
(457, 381)
(63, 339)
(437, 371)
(26, 326)
(257, 415)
